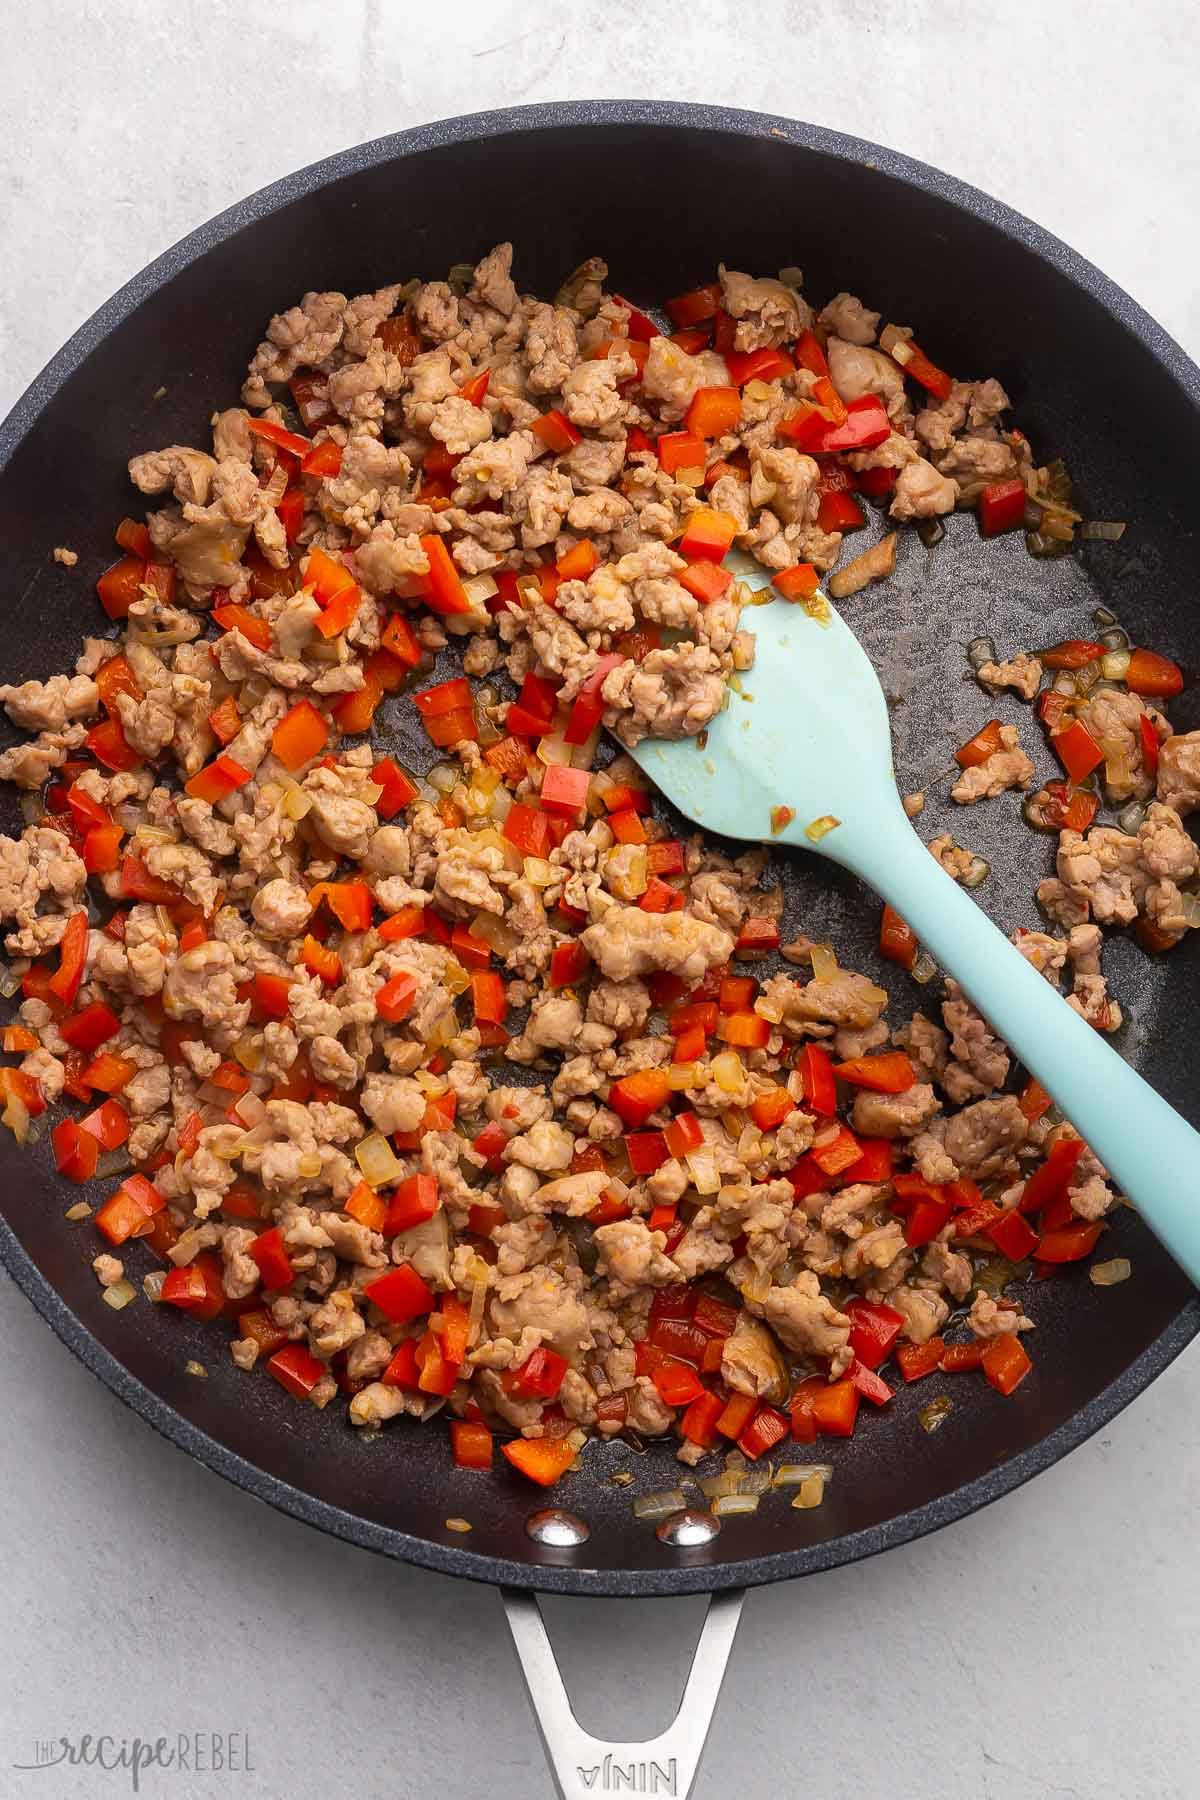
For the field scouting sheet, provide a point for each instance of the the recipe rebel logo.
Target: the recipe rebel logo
(181, 1753)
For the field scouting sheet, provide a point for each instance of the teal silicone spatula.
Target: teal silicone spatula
(816, 738)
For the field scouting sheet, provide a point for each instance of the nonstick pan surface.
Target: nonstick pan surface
(664, 192)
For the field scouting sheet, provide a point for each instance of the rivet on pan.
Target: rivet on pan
(688, 1530)
(562, 1530)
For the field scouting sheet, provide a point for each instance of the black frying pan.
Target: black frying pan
(663, 192)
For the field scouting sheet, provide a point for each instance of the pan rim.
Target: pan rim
(71, 1330)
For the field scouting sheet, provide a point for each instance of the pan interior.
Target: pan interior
(1091, 380)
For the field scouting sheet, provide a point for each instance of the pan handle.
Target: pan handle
(585, 1766)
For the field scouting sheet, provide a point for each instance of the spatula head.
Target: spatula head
(808, 731)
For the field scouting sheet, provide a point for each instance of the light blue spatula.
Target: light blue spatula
(816, 738)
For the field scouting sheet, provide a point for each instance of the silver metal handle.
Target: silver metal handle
(585, 1766)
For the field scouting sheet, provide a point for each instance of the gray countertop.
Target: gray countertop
(1041, 1648)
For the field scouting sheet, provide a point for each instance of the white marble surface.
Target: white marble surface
(1043, 1648)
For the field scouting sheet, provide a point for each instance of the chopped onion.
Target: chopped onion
(824, 961)
(192, 1367)
(977, 874)
(152, 1284)
(1107, 531)
(660, 1505)
(309, 1165)
(479, 589)
(584, 755)
(119, 1295)
(1115, 638)
(726, 1504)
(981, 650)
(936, 1413)
(1114, 664)
(714, 1487)
(458, 1524)
(757, 1286)
(1189, 909)
(757, 390)
(931, 531)
(429, 1083)
(461, 277)
(80, 1210)
(893, 341)
(727, 1071)
(792, 276)
(10, 984)
(735, 1460)
(296, 803)
(1087, 677)
(811, 1493)
(249, 1052)
(683, 1075)
(703, 1165)
(924, 968)
(494, 932)
(16, 1117)
(554, 752)
(376, 1161)
(821, 827)
(757, 1479)
(479, 1290)
(793, 1474)
(1064, 683)
(113, 1162)
(1117, 772)
(31, 808)
(1129, 819)
(501, 804)
(370, 792)
(1108, 1274)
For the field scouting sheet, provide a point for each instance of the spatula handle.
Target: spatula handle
(1152, 1153)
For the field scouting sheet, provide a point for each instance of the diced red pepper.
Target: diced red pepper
(1013, 1236)
(301, 734)
(296, 1369)
(1072, 653)
(400, 1294)
(109, 745)
(1001, 507)
(556, 431)
(528, 829)
(219, 779)
(1149, 739)
(865, 426)
(800, 582)
(1069, 1243)
(121, 585)
(695, 306)
(322, 962)
(874, 1331)
(540, 1375)
(471, 1443)
(1005, 1363)
(399, 640)
(874, 483)
(713, 412)
(542, 1460)
(88, 1029)
(917, 1360)
(839, 512)
(706, 581)
(102, 850)
(758, 935)
(744, 1031)
(897, 941)
(766, 1429)
(757, 365)
(816, 1072)
(870, 1385)
(488, 997)
(565, 790)
(75, 1151)
(770, 1110)
(635, 1097)
(1077, 750)
(274, 1264)
(1052, 1181)
(568, 963)
(680, 450)
(959, 1359)
(647, 1151)
(126, 1213)
(394, 1000)
(928, 374)
(72, 950)
(233, 617)
(683, 1134)
(875, 1163)
(835, 1408)
(889, 1073)
(1150, 673)
(924, 1222)
(109, 1073)
(446, 592)
(985, 743)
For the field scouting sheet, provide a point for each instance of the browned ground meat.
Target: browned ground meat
(394, 1055)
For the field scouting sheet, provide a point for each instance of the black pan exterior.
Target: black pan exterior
(662, 191)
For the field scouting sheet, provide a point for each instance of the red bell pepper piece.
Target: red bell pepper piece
(1077, 750)
(839, 512)
(695, 306)
(770, 1110)
(274, 1264)
(766, 1429)
(1052, 1181)
(680, 450)
(109, 1073)
(706, 581)
(565, 790)
(635, 1097)
(897, 941)
(75, 1151)
(985, 743)
(865, 426)
(108, 1125)
(1070, 1243)
(1001, 507)
(301, 734)
(394, 999)
(137, 883)
(875, 1163)
(109, 745)
(835, 1408)
(446, 593)
(1072, 653)
(471, 1443)
(1014, 1237)
(874, 483)
(232, 617)
(816, 1072)
(917, 1360)
(838, 1153)
(1005, 1363)
(800, 582)
(540, 1375)
(64, 983)
(870, 1385)
(488, 997)
(528, 829)
(924, 1222)
(874, 1331)
(400, 641)
(556, 431)
(296, 1369)
(1149, 750)
(400, 1294)
(889, 1073)
(126, 1213)
(758, 935)
(757, 365)
(928, 374)
(1150, 673)
(88, 1029)
(542, 1460)
(714, 412)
